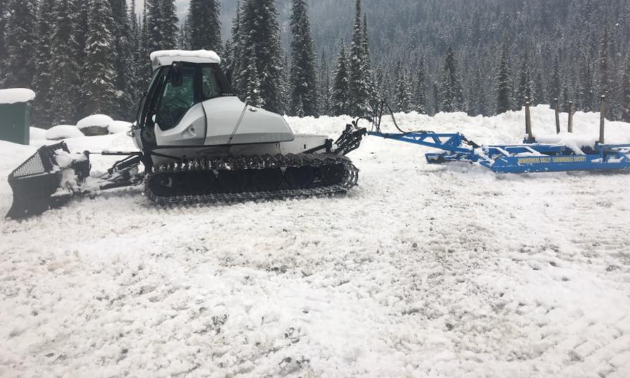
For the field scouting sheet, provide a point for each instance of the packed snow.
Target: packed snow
(421, 271)
(16, 95)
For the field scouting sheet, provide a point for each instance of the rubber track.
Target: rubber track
(217, 164)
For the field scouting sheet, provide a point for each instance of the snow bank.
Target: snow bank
(99, 120)
(63, 132)
(118, 127)
(12, 96)
(95, 125)
(37, 134)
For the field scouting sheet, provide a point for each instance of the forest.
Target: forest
(326, 57)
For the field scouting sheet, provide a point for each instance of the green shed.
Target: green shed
(15, 114)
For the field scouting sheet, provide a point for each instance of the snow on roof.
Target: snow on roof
(12, 96)
(167, 57)
(98, 120)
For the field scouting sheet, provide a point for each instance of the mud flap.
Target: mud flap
(35, 182)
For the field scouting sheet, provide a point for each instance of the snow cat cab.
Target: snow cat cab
(198, 143)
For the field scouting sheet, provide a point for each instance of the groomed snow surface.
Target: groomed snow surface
(421, 271)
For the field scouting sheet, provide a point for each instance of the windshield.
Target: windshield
(214, 83)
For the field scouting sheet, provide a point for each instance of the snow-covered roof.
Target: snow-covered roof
(167, 57)
(12, 96)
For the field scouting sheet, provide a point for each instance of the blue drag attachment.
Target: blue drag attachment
(528, 157)
(523, 158)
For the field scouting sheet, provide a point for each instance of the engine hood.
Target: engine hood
(256, 125)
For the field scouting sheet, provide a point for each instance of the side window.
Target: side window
(211, 85)
(175, 101)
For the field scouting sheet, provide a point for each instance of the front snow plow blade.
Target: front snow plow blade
(35, 182)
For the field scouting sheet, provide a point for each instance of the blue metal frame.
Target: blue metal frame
(523, 158)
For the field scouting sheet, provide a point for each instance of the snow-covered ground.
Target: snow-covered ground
(421, 271)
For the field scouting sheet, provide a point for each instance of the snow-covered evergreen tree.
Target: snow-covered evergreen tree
(403, 91)
(324, 86)
(625, 91)
(586, 92)
(251, 78)
(100, 87)
(137, 60)
(204, 24)
(168, 24)
(19, 40)
(123, 59)
(525, 89)
(3, 8)
(451, 90)
(303, 79)
(504, 81)
(80, 10)
(555, 85)
(64, 71)
(369, 74)
(421, 89)
(237, 54)
(359, 88)
(341, 87)
(43, 113)
(260, 36)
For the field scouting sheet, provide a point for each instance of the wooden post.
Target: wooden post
(602, 122)
(570, 116)
(555, 101)
(528, 121)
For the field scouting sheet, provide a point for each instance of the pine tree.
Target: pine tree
(324, 86)
(80, 10)
(3, 7)
(261, 37)
(555, 88)
(403, 93)
(303, 79)
(251, 78)
(625, 92)
(586, 92)
(168, 24)
(64, 71)
(137, 60)
(42, 115)
(525, 81)
(452, 93)
(204, 24)
(100, 86)
(237, 54)
(421, 89)
(504, 81)
(153, 22)
(436, 98)
(341, 87)
(122, 58)
(145, 48)
(359, 92)
(369, 75)
(19, 39)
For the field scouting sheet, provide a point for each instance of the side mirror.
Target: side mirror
(176, 75)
